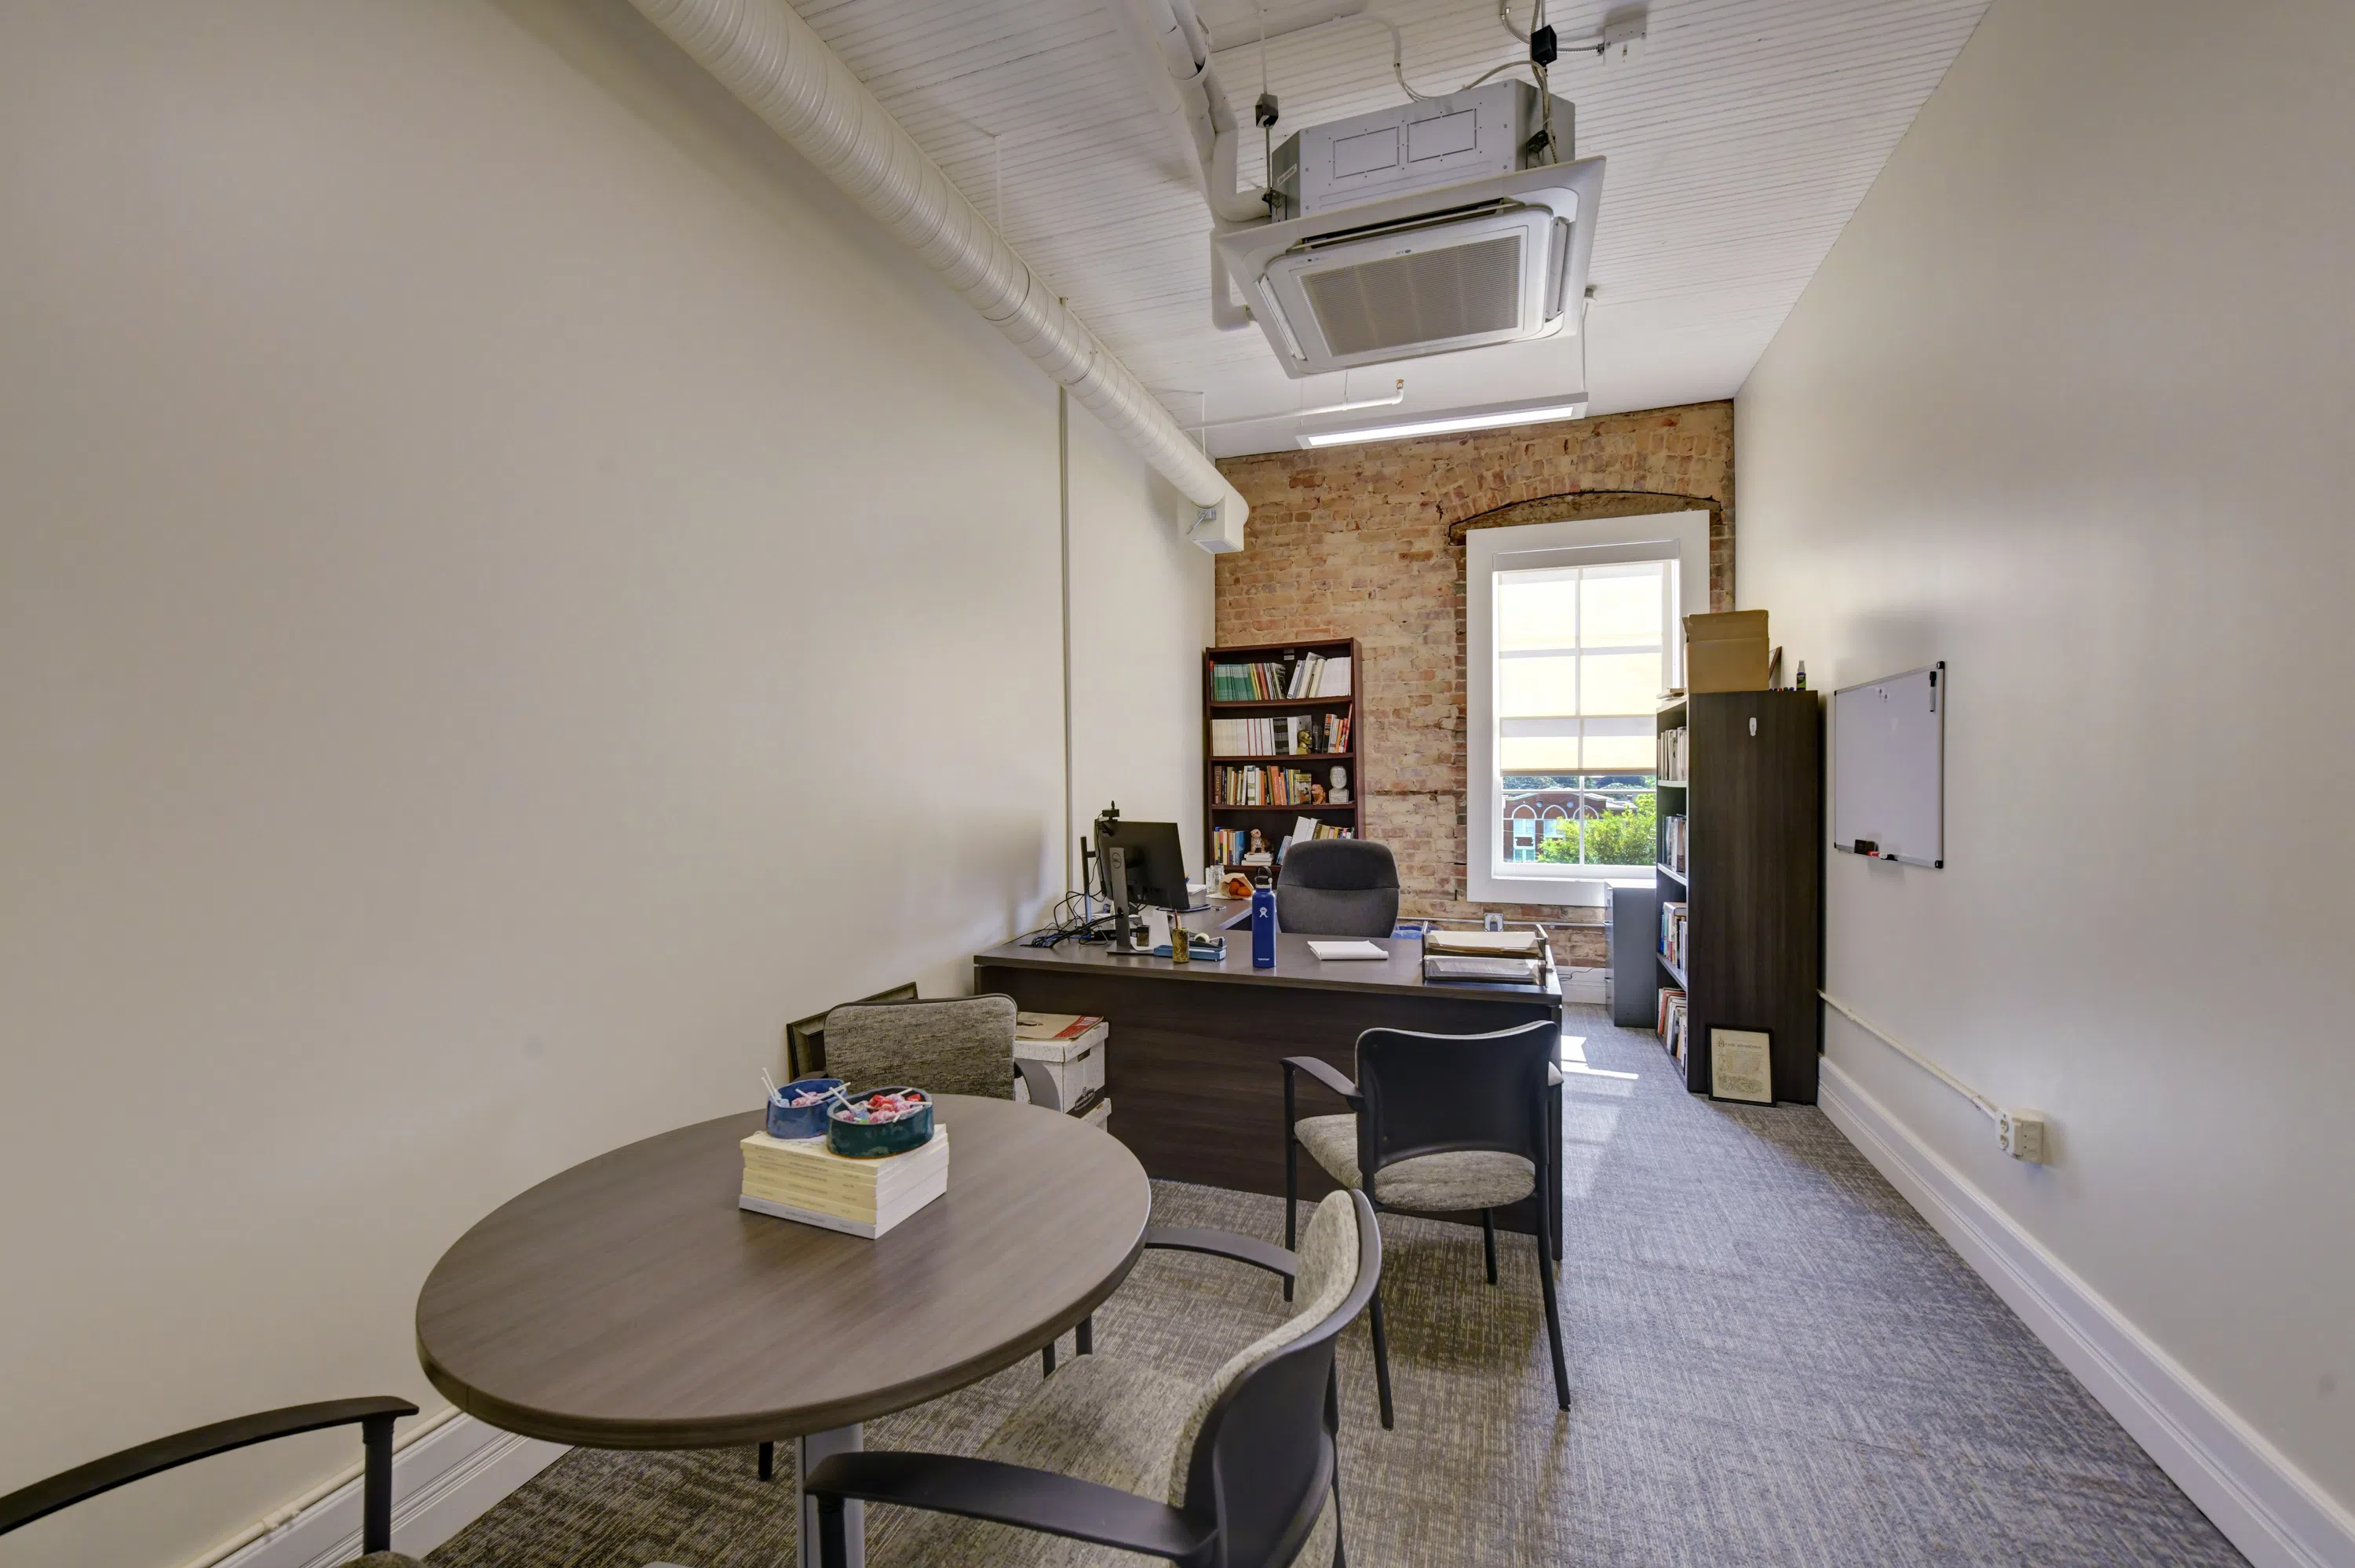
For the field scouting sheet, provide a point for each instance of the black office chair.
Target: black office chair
(1441, 1123)
(1337, 888)
(374, 1417)
(1251, 1469)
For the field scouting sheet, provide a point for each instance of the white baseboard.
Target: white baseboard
(440, 1484)
(2264, 1505)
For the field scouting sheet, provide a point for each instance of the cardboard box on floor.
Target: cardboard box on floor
(1726, 651)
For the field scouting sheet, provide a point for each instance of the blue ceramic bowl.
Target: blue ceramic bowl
(875, 1139)
(786, 1121)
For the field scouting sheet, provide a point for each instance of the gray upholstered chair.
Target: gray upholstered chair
(1077, 1477)
(1445, 1124)
(1337, 888)
(805, 1037)
(957, 1045)
(374, 1417)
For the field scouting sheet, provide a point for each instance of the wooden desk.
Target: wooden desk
(1192, 1068)
(629, 1303)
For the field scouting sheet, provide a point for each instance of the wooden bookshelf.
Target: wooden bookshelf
(1753, 885)
(1275, 821)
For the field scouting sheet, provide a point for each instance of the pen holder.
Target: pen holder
(876, 1139)
(788, 1120)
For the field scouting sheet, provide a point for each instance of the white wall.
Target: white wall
(1141, 592)
(510, 590)
(2068, 406)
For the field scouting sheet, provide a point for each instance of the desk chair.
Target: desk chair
(374, 1417)
(1337, 888)
(1437, 1124)
(1247, 1460)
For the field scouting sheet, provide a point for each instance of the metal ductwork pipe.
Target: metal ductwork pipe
(782, 71)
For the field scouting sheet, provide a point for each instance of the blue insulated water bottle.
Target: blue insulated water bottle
(1263, 927)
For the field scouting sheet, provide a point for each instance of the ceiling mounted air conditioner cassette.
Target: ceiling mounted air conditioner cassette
(1499, 259)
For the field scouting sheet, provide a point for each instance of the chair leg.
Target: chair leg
(833, 1549)
(1086, 1335)
(1047, 1360)
(1488, 1240)
(1553, 1321)
(376, 1490)
(768, 1461)
(1291, 1176)
(1381, 1357)
(1341, 1547)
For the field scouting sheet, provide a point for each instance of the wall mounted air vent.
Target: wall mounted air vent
(1496, 259)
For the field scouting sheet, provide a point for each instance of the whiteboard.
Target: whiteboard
(1889, 767)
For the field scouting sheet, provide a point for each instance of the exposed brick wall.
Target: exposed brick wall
(1353, 542)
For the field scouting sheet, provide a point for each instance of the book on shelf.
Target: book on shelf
(1674, 839)
(1231, 846)
(1232, 785)
(1675, 755)
(1668, 1021)
(1294, 676)
(801, 1179)
(1294, 735)
(1672, 931)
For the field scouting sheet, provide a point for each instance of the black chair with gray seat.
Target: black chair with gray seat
(1337, 888)
(1437, 1124)
(1078, 1476)
(374, 1417)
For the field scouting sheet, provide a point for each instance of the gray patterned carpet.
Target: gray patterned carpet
(1774, 1361)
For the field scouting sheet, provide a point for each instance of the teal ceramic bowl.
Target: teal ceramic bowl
(875, 1139)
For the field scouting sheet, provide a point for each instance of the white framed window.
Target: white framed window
(1572, 631)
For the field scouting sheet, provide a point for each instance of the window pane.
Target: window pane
(1537, 754)
(1620, 829)
(1537, 610)
(1538, 688)
(1616, 683)
(1628, 751)
(1620, 606)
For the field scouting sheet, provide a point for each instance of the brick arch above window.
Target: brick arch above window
(1583, 505)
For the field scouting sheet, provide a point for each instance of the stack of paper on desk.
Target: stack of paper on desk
(1329, 951)
(1487, 943)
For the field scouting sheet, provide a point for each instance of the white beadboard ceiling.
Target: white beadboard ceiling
(1739, 142)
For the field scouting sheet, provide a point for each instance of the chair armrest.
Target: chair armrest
(1016, 1495)
(1326, 1074)
(1224, 1244)
(84, 1481)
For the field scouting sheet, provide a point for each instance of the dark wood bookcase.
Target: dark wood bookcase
(1274, 821)
(1752, 885)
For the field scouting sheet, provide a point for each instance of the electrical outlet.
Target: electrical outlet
(2021, 1134)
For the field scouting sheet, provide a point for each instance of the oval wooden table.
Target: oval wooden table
(629, 1303)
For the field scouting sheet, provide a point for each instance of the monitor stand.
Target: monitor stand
(1114, 863)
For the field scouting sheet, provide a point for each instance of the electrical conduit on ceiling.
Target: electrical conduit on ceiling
(1172, 51)
(781, 69)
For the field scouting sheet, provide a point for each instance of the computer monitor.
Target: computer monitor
(1156, 861)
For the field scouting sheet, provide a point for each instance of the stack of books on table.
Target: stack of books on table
(801, 1179)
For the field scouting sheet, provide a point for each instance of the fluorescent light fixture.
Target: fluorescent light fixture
(1536, 411)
